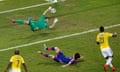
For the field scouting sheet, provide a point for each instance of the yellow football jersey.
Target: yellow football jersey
(103, 38)
(16, 60)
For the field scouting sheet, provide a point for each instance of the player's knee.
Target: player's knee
(57, 49)
(26, 22)
(52, 56)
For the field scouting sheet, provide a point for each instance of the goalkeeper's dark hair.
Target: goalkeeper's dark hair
(101, 29)
(47, 17)
(77, 55)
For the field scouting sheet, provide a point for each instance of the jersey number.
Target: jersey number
(18, 62)
(101, 39)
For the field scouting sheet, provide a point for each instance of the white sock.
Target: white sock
(110, 65)
(108, 61)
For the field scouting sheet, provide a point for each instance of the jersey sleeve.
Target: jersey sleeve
(97, 38)
(22, 60)
(42, 17)
(11, 59)
(109, 34)
(71, 61)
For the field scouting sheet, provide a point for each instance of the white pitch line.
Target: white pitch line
(37, 5)
(1, 0)
(60, 37)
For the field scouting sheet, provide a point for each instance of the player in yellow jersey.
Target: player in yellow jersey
(15, 63)
(103, 41)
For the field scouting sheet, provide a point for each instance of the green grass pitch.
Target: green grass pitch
(74, 16)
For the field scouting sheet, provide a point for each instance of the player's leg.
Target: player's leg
(105, 55)
(109, 62)
(56, 49)
(110, 53)
(20, 21)
(60, 56)
(46, 55)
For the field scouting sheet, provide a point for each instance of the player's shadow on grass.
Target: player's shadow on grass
(36, 35)
(49, 63)
(57, 64)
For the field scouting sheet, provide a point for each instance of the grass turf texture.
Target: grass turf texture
(74, 16)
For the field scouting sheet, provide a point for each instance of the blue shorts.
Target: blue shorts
(61, 58)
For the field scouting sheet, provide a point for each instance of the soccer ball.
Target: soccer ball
(54, 1)
(53, 10)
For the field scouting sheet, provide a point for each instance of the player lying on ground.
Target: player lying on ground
(61, 58)
(15, 63)
(41, 23)
(102, 40)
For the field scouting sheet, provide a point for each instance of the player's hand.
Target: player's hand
(5, 71)
(49, 8)
(114, 34)
(63, 65)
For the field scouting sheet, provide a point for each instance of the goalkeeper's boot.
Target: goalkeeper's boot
(13, 21)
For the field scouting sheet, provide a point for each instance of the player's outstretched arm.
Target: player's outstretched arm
(68, 64)
(82, 58)
(25, 67)
(46, 11)
(6, 70)
(54, 23)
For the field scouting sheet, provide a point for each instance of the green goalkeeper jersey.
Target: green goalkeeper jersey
(38, 24)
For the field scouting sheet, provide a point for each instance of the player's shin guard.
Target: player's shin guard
(52, 48)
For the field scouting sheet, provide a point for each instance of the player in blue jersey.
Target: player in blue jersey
(60, 57)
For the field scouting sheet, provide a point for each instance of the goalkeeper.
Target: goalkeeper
(41, 23)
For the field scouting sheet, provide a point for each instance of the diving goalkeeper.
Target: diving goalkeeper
(41, 23)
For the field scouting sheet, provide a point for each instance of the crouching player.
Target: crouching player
(41, 23)
(61, 58)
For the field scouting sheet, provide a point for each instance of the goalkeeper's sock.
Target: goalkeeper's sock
(52, 48)
(19, 21)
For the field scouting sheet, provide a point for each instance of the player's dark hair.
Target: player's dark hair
(101, 29)
(77, 55)
(17, 52)
(47, 17)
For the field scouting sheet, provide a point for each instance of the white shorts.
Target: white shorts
(107, 52)
(15, 70)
